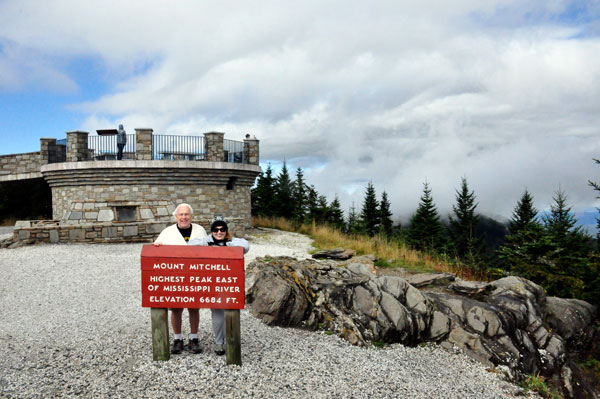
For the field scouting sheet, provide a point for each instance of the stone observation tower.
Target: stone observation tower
(96, 198)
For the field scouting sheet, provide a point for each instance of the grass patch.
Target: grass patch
(538, 384)
(391, 252)
(8, 222)
(590, 364)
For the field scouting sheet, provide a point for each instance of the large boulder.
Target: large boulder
(507, 323)
(572, 319)
(347, 299)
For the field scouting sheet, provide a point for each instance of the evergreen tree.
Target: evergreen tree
(283, 194)
(263, 195)
(560, 225)
(425, 231)
(524, 243)
(467, 246)
(312, 203)
(369, 215)
(523, 215)
(385, 215)
(353, 225)
(299, 196)
(596, 187)
(322, 209)
(336, 215)
(553, 254)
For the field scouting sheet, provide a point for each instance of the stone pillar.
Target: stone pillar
(47, 150)
(213, 147)
(77, 146)
(251, 151)
(143, 144)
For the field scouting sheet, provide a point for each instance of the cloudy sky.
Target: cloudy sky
(505, 93)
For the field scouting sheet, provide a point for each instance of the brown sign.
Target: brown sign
(190, 276)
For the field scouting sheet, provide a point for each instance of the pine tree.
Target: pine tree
(336, 215)
(553, 254)
(523, 215)
(322, 209)
(299, 196)
(263, 195)
(369, 215)
(561, 226)
(312, 204)
(596, 187)
(425, 231)
(524, 243)
(467, 246)
(283, 194)
(353, 224)
(385, 216)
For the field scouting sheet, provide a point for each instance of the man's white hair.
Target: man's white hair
(183, 204)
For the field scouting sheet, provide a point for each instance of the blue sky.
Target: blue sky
(503, 92)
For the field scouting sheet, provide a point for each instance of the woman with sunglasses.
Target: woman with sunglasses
(220, 236)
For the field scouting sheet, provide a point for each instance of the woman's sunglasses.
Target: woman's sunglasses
(216, 229)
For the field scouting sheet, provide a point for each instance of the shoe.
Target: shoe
(220, 350)
(194, 346)
(177, 347)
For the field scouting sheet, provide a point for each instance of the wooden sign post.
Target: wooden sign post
(190, 276)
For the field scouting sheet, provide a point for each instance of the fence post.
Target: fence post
(160, 334)
(233, 348)
(77, 146)
(213, 146)
(143, 144)
(251, 151)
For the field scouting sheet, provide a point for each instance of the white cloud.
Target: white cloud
(498, 91)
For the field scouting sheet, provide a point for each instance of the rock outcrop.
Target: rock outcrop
(336, 253)
(509, 324)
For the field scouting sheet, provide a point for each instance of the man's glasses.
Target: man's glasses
(219, 229)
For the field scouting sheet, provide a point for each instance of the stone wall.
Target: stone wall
(106, 232)
(109, 200)
(144, 191)
(28, 162)
(102, 203)
(52, 152)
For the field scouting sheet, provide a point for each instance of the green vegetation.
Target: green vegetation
(538, 384)
(426, 232)
(391, 252)
(590, 364)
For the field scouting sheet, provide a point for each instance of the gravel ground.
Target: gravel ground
(72, 326)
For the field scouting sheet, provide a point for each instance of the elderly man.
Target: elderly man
(179, 234)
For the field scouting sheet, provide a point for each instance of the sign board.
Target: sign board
(107, 132)
(192, 276)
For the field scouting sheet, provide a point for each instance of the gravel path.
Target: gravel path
(72, 326)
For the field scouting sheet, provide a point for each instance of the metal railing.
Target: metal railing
(105, 147)
(164, 147)
(170, 147)
(234, 151)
